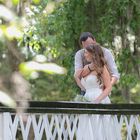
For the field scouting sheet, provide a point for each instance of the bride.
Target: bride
(97, 86)
(99, 76)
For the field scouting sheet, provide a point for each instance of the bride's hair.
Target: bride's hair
(97, 59)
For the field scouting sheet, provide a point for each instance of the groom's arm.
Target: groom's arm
(78, 79)
(112, 67)
(78, 64)
(80, 69)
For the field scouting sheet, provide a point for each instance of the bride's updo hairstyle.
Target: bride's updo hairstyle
(98, 58)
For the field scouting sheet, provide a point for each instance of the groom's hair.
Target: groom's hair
(84, 36)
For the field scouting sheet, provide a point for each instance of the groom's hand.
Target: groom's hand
(86, 70)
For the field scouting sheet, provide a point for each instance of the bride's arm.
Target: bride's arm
(107, 85)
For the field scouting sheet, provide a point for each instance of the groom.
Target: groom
(86, 39)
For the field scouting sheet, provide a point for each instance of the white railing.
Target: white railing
(61, 121)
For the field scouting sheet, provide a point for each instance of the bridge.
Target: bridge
(60, 120)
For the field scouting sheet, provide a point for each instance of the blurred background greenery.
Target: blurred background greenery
(39, 38)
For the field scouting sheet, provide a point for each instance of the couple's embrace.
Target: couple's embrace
(95, 70)
(95, 73)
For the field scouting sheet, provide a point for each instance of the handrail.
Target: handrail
(76, 108)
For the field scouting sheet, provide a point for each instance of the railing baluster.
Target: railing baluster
(7, 133)
(1, 126)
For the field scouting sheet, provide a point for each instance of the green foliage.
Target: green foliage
(56, 36)
(53, 30)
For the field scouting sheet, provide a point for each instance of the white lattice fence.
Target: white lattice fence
(54, 126)
(61, 126)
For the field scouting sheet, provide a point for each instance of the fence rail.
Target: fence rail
(76, 107)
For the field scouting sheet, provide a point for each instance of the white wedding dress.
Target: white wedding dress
(93, 89)
(94, 127)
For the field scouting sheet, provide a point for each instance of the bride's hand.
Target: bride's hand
(96, 101)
